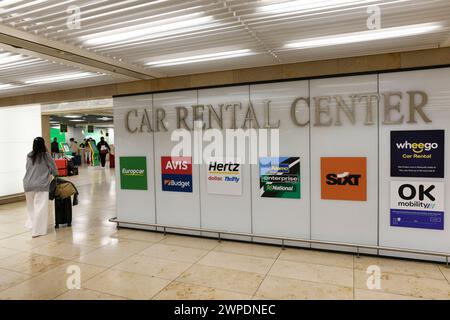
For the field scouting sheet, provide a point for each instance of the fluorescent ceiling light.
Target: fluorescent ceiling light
(7, 86)
(73, 116)
(142, 32)
(5, 3)
(309, 5)
(61, 77)
(77, 120)
(370, 35)
(8, 58)
(201, 58)
(104, 118)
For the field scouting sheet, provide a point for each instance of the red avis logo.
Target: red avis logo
(176, 165)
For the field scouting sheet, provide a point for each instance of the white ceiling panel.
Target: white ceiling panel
(205, 35)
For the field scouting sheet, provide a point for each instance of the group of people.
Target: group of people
(40, 166)
(103, 148)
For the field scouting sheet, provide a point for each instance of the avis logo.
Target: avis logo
(176, 165)
(343, 179)
(417, 147)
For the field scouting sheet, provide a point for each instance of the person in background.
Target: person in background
(83, 144)
(103, 148)
(73, 147)
(36, 184)
(55, 148)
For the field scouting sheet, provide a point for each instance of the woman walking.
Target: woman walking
(36, 184)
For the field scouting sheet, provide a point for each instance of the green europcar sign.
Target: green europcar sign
(133, 173)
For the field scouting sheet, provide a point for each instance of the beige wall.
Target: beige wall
(45, 123)
(341, 66)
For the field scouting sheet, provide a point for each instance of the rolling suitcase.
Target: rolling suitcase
(63, 212)
(112, 161)
(77, 160)
(70, 167)
(61, 164)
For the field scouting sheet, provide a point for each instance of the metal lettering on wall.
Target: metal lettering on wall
(143, 120)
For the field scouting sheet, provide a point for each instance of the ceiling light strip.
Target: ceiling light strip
(363, 36)
(249, 30)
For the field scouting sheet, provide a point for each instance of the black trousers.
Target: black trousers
(103, 159)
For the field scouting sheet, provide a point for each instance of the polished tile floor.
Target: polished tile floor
(130, 264)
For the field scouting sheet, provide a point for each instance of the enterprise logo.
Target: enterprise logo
(417, 147)
(133, 172)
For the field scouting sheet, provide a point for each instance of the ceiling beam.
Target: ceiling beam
(57, 50)
(302, 70)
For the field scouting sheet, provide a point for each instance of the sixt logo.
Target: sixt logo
(343, 179)
(417, 147)
(179, 183)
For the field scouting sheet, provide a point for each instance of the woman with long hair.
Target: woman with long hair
(36, 183)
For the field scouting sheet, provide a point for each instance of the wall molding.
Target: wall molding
(387, 62)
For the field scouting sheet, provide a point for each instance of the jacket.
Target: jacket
(37, 175)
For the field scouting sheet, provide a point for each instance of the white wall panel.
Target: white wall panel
(344, 220)
(175, 208)
(18, 128)
(224, 212)
(281, 216)
(435, 83)
(134, 205)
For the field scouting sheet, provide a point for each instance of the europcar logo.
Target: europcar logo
(417, 147)
(133, 172)
(343, 178)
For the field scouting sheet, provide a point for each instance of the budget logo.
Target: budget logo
(176, 174)
(417, 153)
(224, 177)
(133, 173)
(417, 204)
(279, 177)
(343, 178)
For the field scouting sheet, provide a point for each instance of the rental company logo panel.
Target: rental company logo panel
(176, 174)
(279, 177)
(416, 204)
(224, 177)
(417, 153)
(133, 173)
(343, 178)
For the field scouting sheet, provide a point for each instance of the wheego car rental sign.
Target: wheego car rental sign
(417, 153)
(176, 174)
(417, 204)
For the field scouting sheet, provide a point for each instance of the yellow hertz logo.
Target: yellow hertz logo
(133, 172)
(418, 147)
